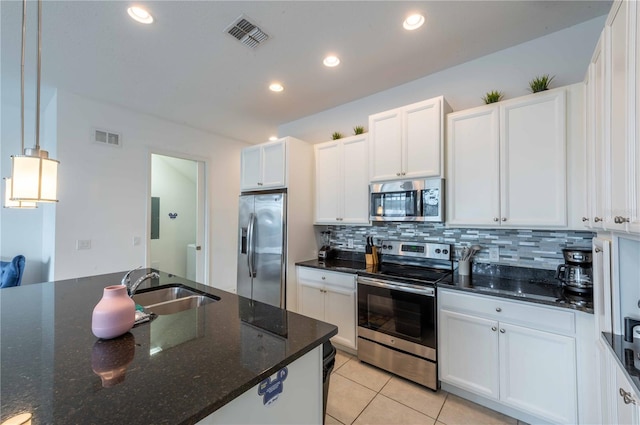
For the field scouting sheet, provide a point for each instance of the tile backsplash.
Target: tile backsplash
(540, 249)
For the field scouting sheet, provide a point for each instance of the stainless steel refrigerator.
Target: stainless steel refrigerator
(262, 247)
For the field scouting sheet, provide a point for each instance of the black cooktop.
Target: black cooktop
(403, 272)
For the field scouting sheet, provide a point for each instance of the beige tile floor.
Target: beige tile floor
(362, 394)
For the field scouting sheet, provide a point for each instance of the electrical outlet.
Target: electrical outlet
(494, 253)
(83, 244)
(349, 243)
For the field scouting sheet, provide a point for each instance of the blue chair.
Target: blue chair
(11, 272)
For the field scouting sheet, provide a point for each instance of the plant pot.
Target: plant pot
(115, 314)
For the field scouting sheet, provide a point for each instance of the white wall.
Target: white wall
(565, 54)
(177, 192)
(104, 191)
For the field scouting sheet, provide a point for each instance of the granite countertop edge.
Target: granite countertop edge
(77, 341)
(458, 284)
(617, 346)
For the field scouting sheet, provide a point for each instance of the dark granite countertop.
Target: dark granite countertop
(625, 355)
(518, 283)
(178, 368)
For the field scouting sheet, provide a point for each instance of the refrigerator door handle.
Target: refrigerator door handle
(250, 245)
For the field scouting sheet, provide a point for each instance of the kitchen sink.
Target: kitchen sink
(172, 299)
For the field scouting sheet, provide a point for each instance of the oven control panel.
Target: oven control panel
(437, 251)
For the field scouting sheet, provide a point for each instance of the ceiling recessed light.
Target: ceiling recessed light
(277, 87)
(273, 138)
(413, 22)
(331, 61)
(139, 14)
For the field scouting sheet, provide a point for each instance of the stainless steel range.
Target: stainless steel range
(397, 309)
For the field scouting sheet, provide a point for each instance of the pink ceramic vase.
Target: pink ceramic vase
(115, 314)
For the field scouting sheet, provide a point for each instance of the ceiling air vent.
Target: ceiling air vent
(246, 32)
(105, 137)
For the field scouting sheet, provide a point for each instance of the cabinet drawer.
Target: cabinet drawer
(533, 316)
(324, 277)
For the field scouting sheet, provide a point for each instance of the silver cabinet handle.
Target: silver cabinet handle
(616, 219)
(620, 219)
(259, 184)
(398, 174)
(597, 219)
(598, 250)
(504, 218)
(502, 331)
(493, 328)
(585, 219)
(496, 219)
(404, 174)
(498, 309)
(626, 396)
(323, 278)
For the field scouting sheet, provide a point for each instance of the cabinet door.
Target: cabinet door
(340, 310)
(626, 400)
(538, 373)
(473, 190)
(533, 171)
(385, 145)
(634, 225)
(328, 182)
(618, 104)
(422, 139)
(311, 300)
(468, 353)
(274, 165)
(251, 165)
(355, 185)
(597, 180)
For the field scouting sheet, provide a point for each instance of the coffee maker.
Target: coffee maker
(577, 274)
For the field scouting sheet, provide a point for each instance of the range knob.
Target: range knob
(438, 251)
(389, 246)
(445, 251)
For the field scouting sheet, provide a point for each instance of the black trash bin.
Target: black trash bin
(328, 361)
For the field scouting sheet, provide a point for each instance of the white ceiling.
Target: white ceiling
(184, 68)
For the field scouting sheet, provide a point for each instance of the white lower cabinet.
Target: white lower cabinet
(626, 401)
(518, 354)
(330, 297)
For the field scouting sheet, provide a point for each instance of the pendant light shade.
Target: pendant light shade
(9, 203)
(34, 177)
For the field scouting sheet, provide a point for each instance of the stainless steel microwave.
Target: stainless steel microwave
(407, 200)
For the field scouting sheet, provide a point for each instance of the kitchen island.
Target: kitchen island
(177, 369)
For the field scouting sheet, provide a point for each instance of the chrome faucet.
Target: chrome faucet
(131, 288)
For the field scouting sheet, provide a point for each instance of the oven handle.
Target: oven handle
(430, 292)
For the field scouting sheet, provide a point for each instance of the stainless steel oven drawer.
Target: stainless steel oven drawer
(410, 367)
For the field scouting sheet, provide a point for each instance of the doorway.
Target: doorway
(177, 225)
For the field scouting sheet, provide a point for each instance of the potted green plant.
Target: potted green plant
(358, 129)
(492, 97)
(540, 83)
(336, 135)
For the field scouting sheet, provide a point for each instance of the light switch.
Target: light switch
(83, 244)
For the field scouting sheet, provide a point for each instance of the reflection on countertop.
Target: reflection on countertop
(628, 356)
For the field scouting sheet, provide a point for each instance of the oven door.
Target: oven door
(399, 315)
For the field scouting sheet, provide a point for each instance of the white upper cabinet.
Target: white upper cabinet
(507, 163)
(595, 131)
(407, 142)
(612, 128)
(264, 166)
(473, 172)
(342, 195)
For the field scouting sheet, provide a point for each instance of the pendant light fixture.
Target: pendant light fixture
(34, 175)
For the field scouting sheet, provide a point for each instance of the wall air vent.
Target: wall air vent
(107, 137)
(246, 32)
